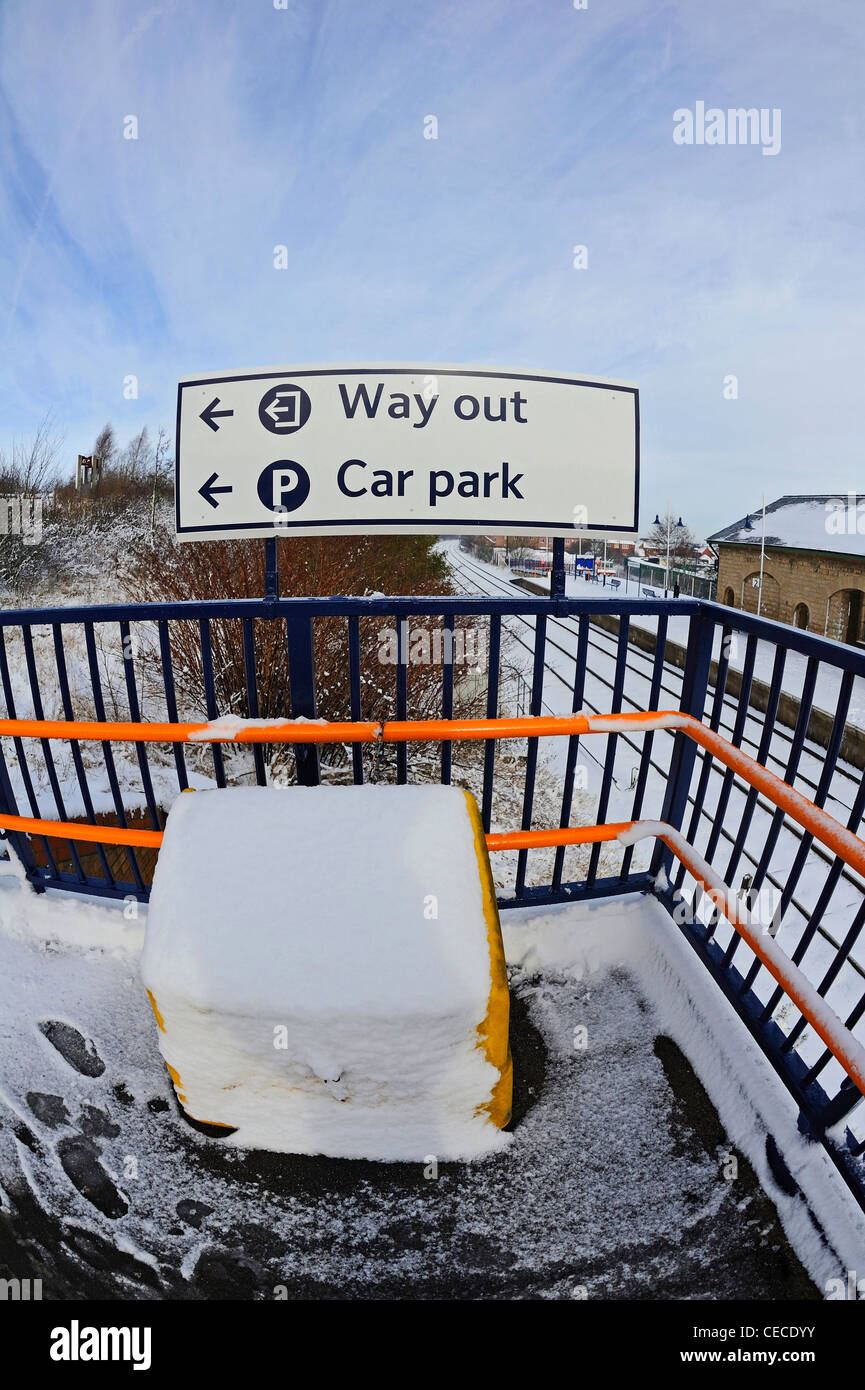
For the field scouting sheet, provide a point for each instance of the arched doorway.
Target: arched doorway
(801, 616)
(729, 597)
(845, 615)
(770, 604)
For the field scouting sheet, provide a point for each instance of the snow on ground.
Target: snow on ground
(613, 1186)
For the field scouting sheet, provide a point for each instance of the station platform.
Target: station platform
(637, 1168)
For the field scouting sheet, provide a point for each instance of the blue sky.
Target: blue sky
(304, 127)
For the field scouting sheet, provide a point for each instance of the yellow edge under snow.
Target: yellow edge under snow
(493, 1031)
(175, 1075)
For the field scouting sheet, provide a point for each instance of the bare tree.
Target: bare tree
(163, 465)
(31, 468)
(137, 458)
(670, 529)
(163, 458)
(105, 445)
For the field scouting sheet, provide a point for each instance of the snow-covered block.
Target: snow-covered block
(326, 969)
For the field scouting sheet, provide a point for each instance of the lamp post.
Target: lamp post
(748, 526)
(762, 558)
(680, 526)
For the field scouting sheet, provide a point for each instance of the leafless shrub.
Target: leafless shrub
(317, 567)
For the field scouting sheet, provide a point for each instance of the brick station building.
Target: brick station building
(814, 564)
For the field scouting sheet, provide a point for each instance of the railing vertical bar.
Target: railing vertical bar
(806, 701)
(720, 812)
(447, 690)
(210, 697)
(50, 766)
(127, 647)
(612, 742)
(706, 760)
(573, 745)
(492, 709)
(401, 695)
(75, 748)
(830, 975)
(763, 749)
(695, 682)
(248, 629)
(300, 646)
(171, 699)
(846, 1099)
(823, 785)
(23, 767)
(532, 749)
(108, 753)
(18, 843)
(648, 738)
(355, 699)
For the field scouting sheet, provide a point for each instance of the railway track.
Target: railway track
(641, 666)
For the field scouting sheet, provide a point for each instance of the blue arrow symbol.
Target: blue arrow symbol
(207, 490)
(209, 414)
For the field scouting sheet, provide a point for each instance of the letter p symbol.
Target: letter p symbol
(283, 486)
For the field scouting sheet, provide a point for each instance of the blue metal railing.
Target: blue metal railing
(192, 660)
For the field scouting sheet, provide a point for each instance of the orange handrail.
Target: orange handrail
(817, 822)
(82, 830)
(218, 731)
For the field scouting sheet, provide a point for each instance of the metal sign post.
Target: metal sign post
(271, 571)
(557, 573)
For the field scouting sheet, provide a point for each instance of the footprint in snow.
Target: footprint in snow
(80, 1160)
(50, 1110)
(73, 1047)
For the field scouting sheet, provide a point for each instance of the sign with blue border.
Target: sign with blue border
(400, 449)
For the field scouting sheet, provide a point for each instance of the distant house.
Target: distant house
(518, 542)
(814, 565)
(544, 543)
(621, 548)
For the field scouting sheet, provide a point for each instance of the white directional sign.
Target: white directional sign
(404, 449)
